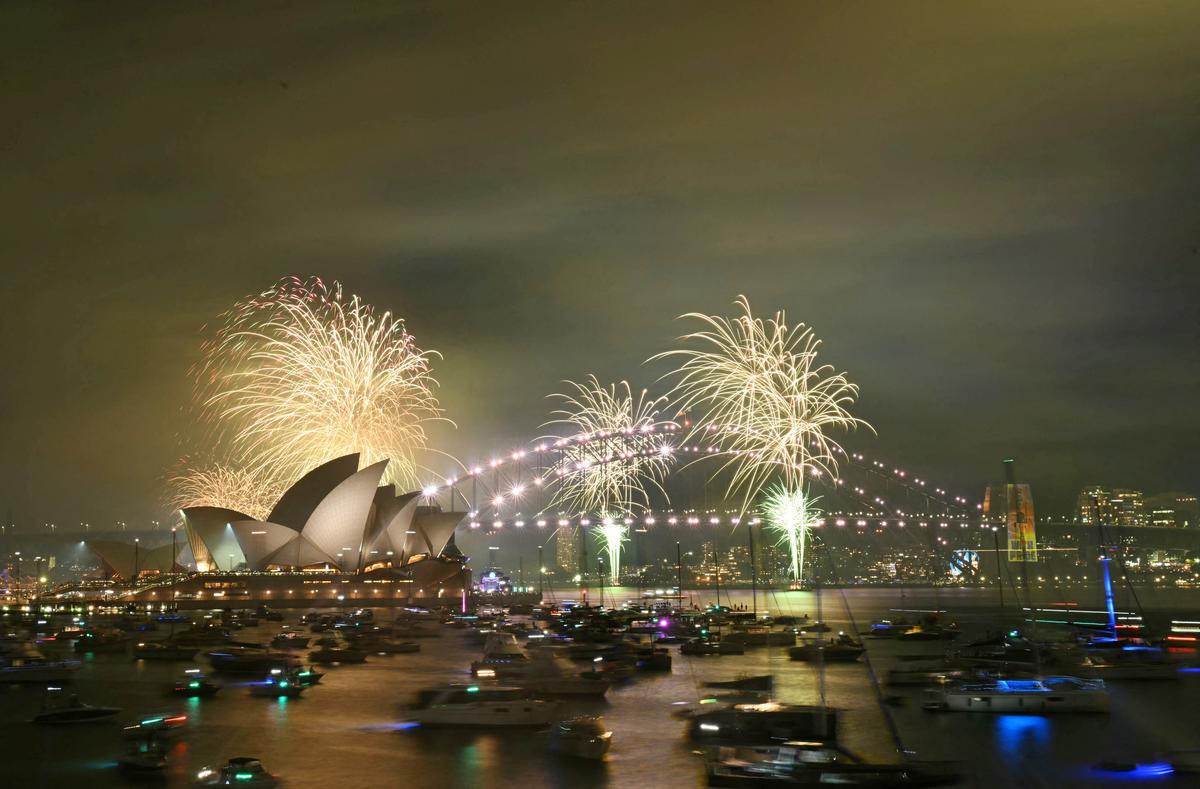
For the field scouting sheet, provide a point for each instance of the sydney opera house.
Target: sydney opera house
(337, 520)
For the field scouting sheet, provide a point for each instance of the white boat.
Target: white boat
(480, 705)
(502, 658)
(1047, 694)
(552, 674)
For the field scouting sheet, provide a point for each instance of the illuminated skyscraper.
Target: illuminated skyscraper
(1110, 507)
(566, 549)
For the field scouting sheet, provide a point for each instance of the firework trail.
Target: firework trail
(755, 389)
(298, 375)
(791, 514)
(621, 461)
(611, 536)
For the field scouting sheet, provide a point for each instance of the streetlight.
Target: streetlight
(133, 580)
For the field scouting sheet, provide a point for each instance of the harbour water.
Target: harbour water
(343, 732)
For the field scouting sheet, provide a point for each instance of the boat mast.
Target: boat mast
(753, 570)
(1105, 569)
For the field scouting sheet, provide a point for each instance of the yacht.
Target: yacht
(99, 641)
(817, 764)
(502, 658)
(163, 650)
(147, 757)
(290, 640)
(194, 684)
(584, 738)
(73, 711)
(711, 646)
(277, 685)
(551, 674)
(1048, 694)
(26, 663)
(763, 723)
(480, 705)
(337, 655)
(241, 771)
(761, 636)
(249, 660)
(844, 650)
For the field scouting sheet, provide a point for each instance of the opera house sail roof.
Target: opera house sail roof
(336, 516)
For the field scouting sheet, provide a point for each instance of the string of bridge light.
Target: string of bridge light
(692, 518)
(538, 480)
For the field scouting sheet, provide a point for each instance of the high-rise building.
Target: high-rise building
(1110, 507)
(566, 549)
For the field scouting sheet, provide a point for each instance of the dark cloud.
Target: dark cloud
(988, 213)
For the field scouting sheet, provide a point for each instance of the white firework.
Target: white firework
(792, 514)
(756, 391)
(617, 457)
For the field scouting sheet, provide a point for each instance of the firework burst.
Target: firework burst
(621, 459)
(222, 486)
(791, 514)
(756, 391)
(298, 375)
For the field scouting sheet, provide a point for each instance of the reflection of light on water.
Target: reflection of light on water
(394, 726)
(1152, 771)
(1018, 733)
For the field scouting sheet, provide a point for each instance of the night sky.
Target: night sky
(989, 214)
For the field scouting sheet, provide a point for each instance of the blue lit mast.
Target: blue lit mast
(1105, 574)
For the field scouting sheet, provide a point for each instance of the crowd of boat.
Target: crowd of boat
(533, 662)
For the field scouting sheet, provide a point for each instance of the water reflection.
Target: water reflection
(1019, 736)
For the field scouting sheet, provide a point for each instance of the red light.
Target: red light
(176, 719)
(1190, 639)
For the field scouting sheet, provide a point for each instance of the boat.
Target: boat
(326, 655)
(815, 627)
(277, 685)
(760, 682)
(648, 656)
(502, 658)
(763, 724)
(711, 646)
(843, 650)
(241, 771)
(101, 641)
(1048, 694)
(193, 684)
(886, 628)
(307, 676)
(382, 644)
(761, 636)
(144, 758)
(551, 674)
(932, 672)
(25, 663)
(480, 705)
(290, 640)
(73, 711)
(249, 660)
(817, 764)
(928, 633)
(583, 738)
(162, 650)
